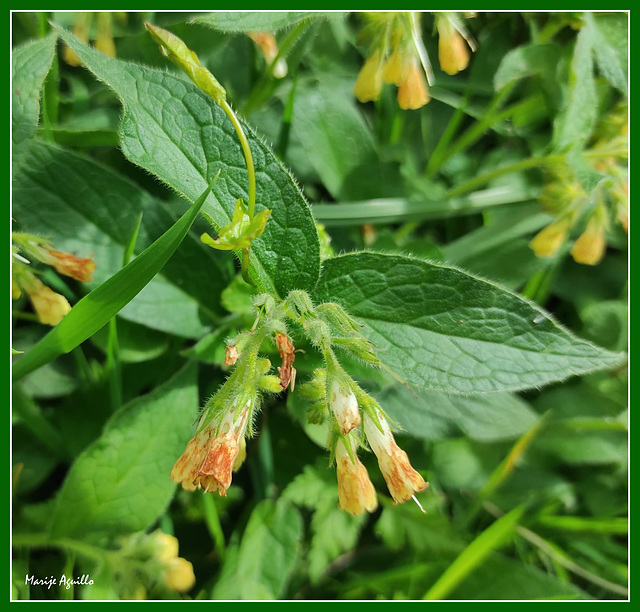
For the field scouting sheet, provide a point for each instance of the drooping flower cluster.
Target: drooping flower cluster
(356, 420)
(397, 56)
(50, 306)
(593, 209)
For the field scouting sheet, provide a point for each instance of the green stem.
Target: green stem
(524, 164)
(213, 524)
(42, 540)
(246, 149)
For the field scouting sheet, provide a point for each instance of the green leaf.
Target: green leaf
(441, 328)
(473, 556)
(183, 300)
(611, 46)
(30, 65)
(98, 307)
(121, 484)
(334, 531)
(179, 134)
(526, 61)
(575, 122)
(246, 22)
(500, 578)
(267, 555)
(336, 139)
(434, 416)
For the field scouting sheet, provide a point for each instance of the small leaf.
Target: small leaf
(121, 484)
(240, 232)
(30, 64)
(443, 329)
(526, 61)
(267, 554)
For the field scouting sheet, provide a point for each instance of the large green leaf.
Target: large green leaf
(30, 65)
(87, 208)
(176, 132)
(253, 21)
(526, 61)
(262, 566)
(121, 483)
(434, 416)
(103, 303)
(443, 329)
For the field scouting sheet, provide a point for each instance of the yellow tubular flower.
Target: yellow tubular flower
(369, 83)
(81, 26)
(548, 241)
(51, 307)
(104, 41)
(395, 68)
(412, 92)
(453, 52)
(589, 249)
(355, 490)
(401, 478)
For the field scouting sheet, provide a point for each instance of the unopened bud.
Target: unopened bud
(359, 347)
(270, 383)
(269, 48)
(344, 405)
(179, 575)
(166, 545)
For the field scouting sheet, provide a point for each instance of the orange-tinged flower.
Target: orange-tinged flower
(413, 92)
(402, 480)
(355, 490)
(344, 405)
(453, 52)
(210, 456)
(269, 47)
(589, 248)
(548, 241)
(51, 307)
(369, 82)
(80, 268)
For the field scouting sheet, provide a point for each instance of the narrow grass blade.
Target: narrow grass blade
(96, 309)
(489, 540)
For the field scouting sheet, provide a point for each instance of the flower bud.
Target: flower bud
(413, 92)
(548, 241)
(355, 490)
(402, 480)
(589, 248)
(269, 383)
(179, 575)
(369, 83)
(269, 48)
(166, 545)
(344, 405)
(51, 307)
